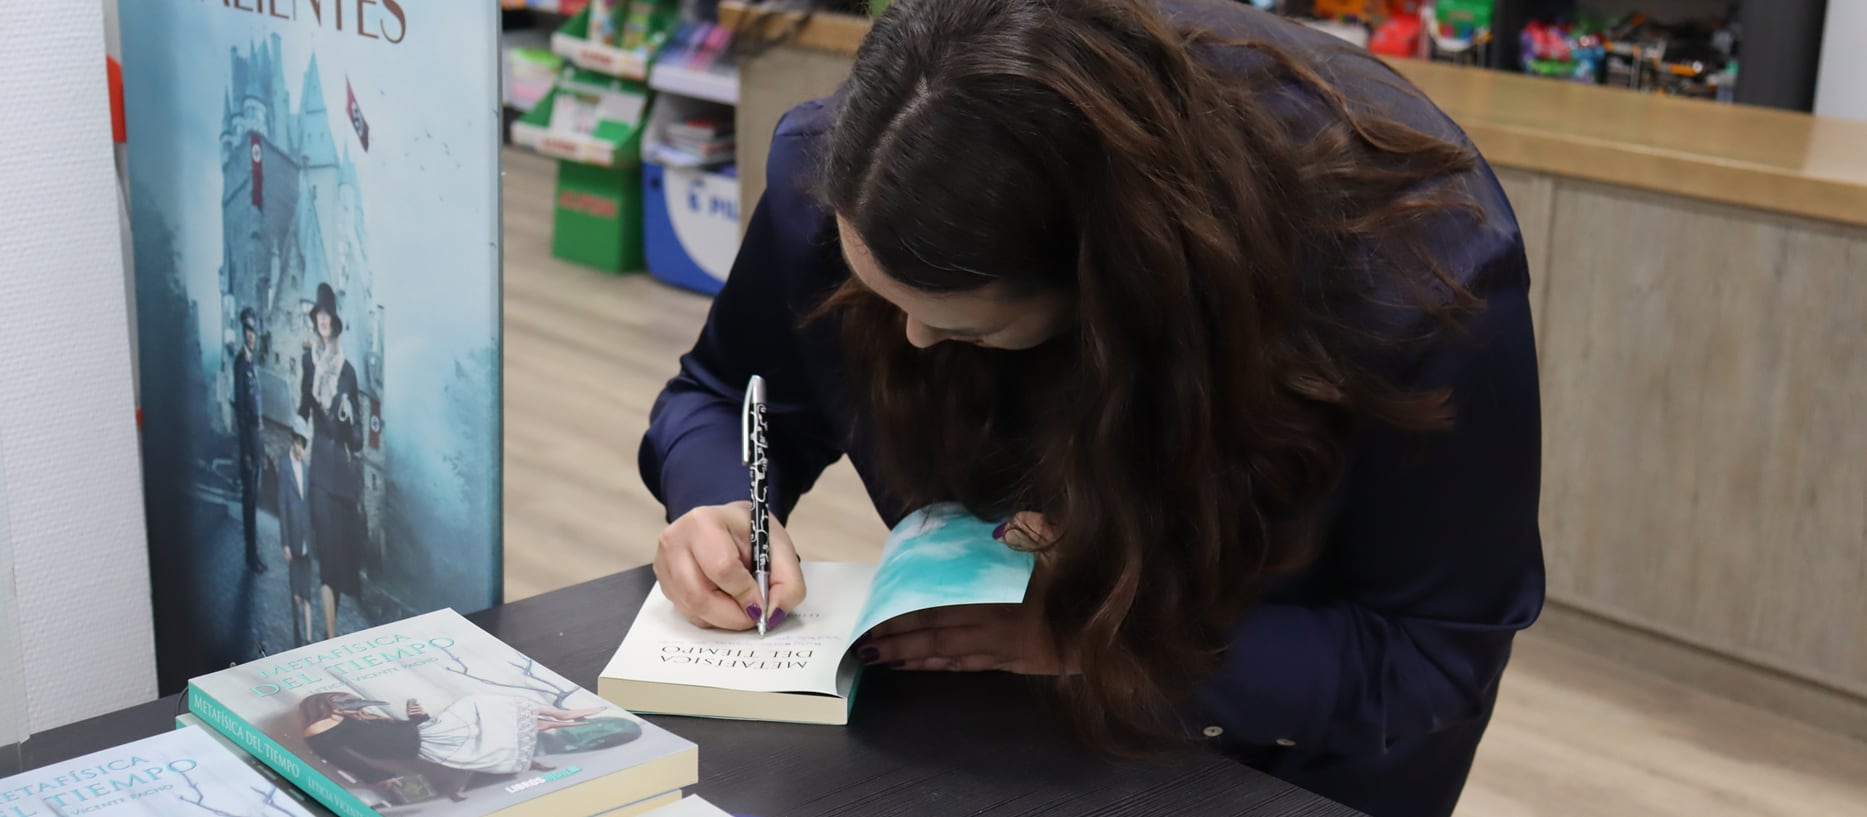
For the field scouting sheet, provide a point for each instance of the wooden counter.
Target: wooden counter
(1756, 157)
(1700, 293)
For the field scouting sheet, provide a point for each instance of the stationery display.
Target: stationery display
(803, 670)
(435, 711)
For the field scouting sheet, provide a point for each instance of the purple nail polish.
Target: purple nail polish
(999, 532)
(752, 611)
(868, 654)
(777, 616)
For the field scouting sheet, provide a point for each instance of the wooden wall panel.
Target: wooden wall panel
(1706, 426)
(1532, 197)
(770, 84)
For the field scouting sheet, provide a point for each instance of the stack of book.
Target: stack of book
(698, 141)
(430, 715)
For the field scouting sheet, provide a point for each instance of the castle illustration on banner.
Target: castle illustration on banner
(291, 205)
(317, 318)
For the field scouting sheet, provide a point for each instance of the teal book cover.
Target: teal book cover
(314, 218)
(184, 773)
(435, 716)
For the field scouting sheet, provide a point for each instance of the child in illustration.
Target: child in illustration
(491, 734)
(295, 528)
(328, 400)
(246, 416)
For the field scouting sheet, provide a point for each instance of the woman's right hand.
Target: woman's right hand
(704, 563)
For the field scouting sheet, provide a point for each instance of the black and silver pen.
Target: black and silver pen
(752, 451)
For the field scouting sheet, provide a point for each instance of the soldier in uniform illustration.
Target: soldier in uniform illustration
(328, 400)
(295, 527)
(246, 416)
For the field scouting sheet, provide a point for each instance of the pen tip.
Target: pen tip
(761, 629)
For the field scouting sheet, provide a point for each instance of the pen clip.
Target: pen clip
(748, 422)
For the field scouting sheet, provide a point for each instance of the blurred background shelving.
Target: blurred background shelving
(1757, 52)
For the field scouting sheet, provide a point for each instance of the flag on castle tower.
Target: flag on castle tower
(259, 171)
(356, 115)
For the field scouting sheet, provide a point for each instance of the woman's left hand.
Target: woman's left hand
(968, 638)
(976, 637)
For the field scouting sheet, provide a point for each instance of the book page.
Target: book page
(801, 655)
(941, 556)
(689, 806)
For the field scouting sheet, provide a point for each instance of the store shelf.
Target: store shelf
(603, 59)
(712, 86)
(669, 157)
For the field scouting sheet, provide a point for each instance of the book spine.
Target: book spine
(261, 745)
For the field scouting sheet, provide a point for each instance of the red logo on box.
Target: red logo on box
(589, 205)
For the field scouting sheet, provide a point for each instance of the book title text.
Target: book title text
(375, 19)
(355, 661)
(81, 790)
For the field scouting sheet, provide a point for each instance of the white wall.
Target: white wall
(12, 682)
(73, 504)
(1841, 81)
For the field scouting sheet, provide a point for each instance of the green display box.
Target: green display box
(598, 220)
(597, 208)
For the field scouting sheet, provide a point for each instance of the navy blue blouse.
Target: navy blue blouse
(1368, 678)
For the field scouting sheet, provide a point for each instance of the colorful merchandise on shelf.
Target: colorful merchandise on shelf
(1340, 9)
(1402, 34)
(1567, 50)
(530, 75)
(603, 22)
(1695, 58)
(644, 25)
(1459, 31)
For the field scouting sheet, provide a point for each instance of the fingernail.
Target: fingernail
(776, 617)
(868, 654)
(752, 611)
(999, 532)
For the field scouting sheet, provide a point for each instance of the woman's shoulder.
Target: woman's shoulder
(794, 163)
(797, 231)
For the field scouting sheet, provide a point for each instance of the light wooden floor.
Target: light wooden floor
(1574, 736)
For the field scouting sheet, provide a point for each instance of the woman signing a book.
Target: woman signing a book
(1223, 314)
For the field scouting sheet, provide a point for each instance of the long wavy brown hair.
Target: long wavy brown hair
(1226, 222)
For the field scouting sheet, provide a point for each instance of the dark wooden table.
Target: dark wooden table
(917, 743)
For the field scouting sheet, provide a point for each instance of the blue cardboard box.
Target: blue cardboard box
(690, 223)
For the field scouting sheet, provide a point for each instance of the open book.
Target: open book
(804, 671)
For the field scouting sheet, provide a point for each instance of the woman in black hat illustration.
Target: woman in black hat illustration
(486, 733)
(328, 400)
